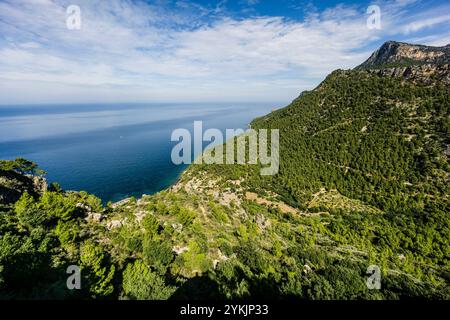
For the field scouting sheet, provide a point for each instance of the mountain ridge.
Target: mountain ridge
(393, 53)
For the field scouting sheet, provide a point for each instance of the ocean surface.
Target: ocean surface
(111, 150)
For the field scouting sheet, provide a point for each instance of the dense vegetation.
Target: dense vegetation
(369, 155)
(364, 180)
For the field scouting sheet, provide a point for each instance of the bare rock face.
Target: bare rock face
(396, 54)
(39, 184)
(418, 63)
(261, 221)
(426, 74)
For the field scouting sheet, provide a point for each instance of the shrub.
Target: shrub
(140, 283)
(96, 273)
(157, 254)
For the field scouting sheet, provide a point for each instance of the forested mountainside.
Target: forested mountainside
(363, 180)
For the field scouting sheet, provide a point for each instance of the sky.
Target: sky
(195, 51)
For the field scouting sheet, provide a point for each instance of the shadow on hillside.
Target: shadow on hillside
(203, 288)
(198, 288)
(13, 185)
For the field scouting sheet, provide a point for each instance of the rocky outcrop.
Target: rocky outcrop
(398, 54)
(418, 63)
(40, 184)
(426, 74)
(13, 185)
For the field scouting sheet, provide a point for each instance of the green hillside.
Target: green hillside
(363, 180)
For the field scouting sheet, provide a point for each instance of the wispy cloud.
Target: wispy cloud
(425, 23)
(133, 51)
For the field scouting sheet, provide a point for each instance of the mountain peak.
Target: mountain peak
(393, 53)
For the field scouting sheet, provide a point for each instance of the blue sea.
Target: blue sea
(111, 150)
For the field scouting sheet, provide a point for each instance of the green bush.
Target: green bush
(96, 270)
(140, 283)
(157, 254)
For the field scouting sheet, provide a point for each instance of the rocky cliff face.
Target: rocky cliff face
(427, 74)
(393, 54)
(13, 185)
(418, 63)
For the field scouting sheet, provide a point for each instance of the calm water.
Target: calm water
(113, 151)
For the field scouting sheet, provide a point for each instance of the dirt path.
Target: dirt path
(280, 205)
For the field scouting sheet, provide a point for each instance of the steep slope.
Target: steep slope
(363, 180)
(364, 142)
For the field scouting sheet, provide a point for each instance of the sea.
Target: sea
(113, 151)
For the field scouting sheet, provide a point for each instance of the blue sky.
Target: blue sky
(174, 51)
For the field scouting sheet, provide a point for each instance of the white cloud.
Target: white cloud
(132, 51)
(425, 23)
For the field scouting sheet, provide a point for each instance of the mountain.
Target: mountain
(363, 182)
(416, 63)
(394, 53)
